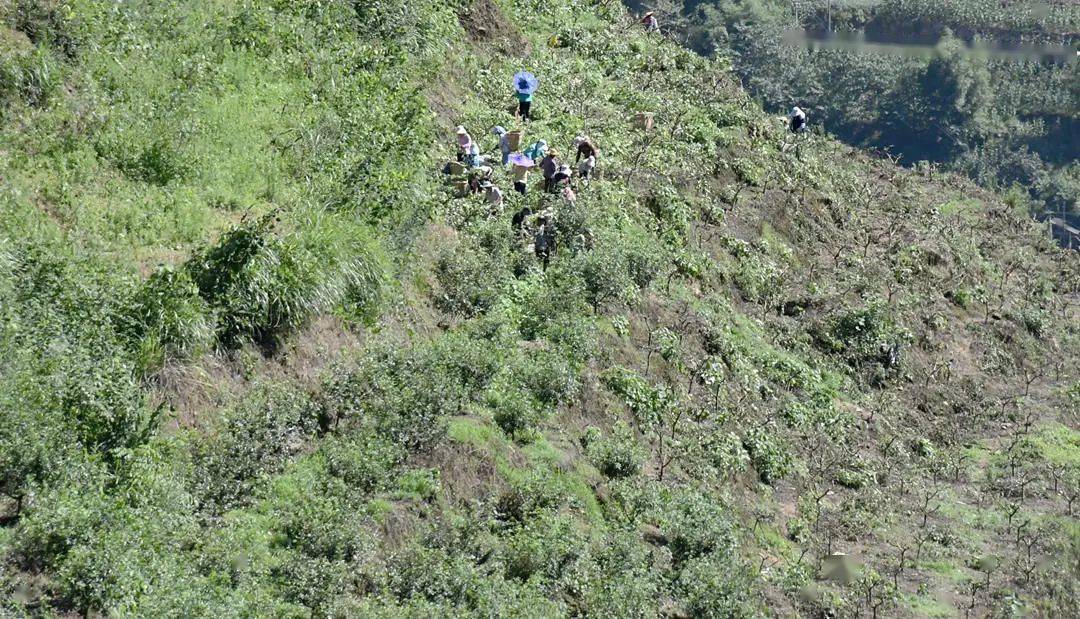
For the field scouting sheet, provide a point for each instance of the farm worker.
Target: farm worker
(525, 84)
(493, 195)
(521, 179)
(520, 218)
(544, 239)
(524, 104)
(473, 158)
(568, 195)
(651, 25)
(549, 165)
(504, 143)
(562, 175)
(537, 151)
(585, 168)
(798, 120)
(464, 141)
(585, 148)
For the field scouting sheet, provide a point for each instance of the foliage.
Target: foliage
(255, 360)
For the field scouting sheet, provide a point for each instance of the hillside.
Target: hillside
(258, 359)
(984, 88)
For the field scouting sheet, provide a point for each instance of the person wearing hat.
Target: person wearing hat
(473, 159)
(798, 120)
(537, 150)
(649, 19)
(562, 175)
(504, 143)
(549, 165)
(493, 195)
(464, 141)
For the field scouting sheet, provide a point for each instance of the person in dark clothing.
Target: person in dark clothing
(544, 241)
(562, 175)
(521, 179)
(585, 148)
(524, 105)
(549, 165)
(798, 120)
(517, 222)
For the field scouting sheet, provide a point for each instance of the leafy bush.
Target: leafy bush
(618, 455)
(159, 163)
(263, 284)
(697, 525)
(253, 441)
(717, 586)
(770, 456)
(865, 336)
(546, 547)
(526, 497)
(364, 463)
(619, 581)
(406, 394)
(726, 454)
(470, 280)
(548, 376)
(313, 581)
(45, 24)
(31, 76)
(433, 575)
(515, 412)
(168, 310)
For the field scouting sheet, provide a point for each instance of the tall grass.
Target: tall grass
(266, 277)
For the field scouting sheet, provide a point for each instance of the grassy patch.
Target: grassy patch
(923, 606)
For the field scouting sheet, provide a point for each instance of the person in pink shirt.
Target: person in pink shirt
(464, 141)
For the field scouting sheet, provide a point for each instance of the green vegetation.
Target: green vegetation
(1000, 120)
(258, 360)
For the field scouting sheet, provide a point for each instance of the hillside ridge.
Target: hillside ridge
(261, 356)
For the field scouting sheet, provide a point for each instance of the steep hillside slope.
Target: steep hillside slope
(258, 359)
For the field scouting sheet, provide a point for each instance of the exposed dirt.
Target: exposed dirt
(483, 20)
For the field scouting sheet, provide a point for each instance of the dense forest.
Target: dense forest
(260, 356)
(1006, 120)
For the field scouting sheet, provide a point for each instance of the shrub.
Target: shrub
(433, 575)
(44, 23)
(726, 454)
(515, 412)
(32, 76)
(104, 402)
(403, 394)
(263, 284)
(158, 163)
(770, 456)
(314, 582)
(617, 456)
(619, 580)
(697, 525)
(470, 281)
(35, 443)
(254, 440)
(364, 463)
(547, 547)
(548, 376)
(717, 586)
(526, 497)
(168, 310)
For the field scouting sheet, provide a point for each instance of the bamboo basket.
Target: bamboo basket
(513, 138)
(643, 121)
